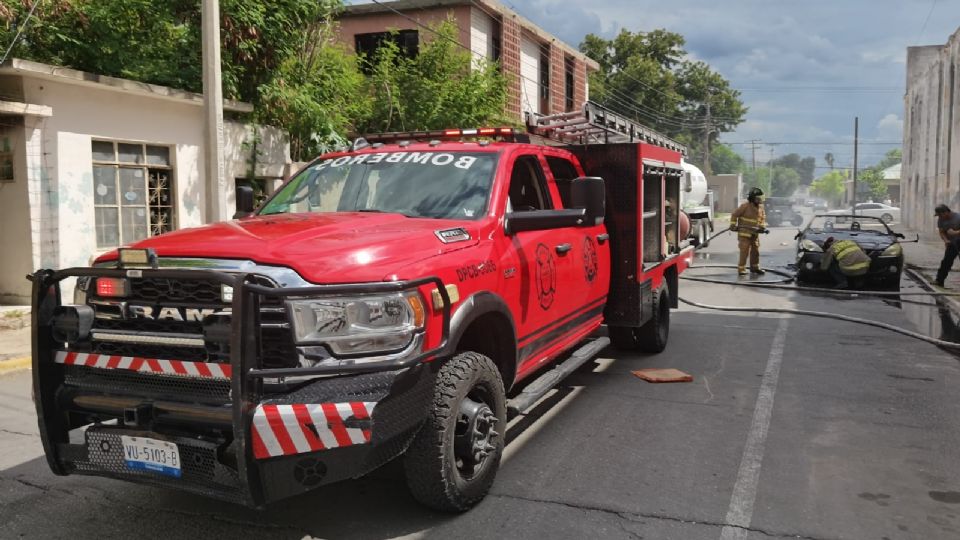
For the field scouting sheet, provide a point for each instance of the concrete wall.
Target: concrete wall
(47, 216)
(726, 191)
(931, 148)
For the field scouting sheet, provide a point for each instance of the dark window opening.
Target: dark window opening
(545, 80)
(367, 45)
(497, 40)
(563, 174)
(568, 86)
(528, 188)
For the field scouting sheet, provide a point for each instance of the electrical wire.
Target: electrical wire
(20, 31)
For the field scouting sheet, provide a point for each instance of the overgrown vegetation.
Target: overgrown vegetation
(645, 74)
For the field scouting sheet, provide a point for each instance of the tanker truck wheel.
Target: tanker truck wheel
(652, 336)
(704, 233)
(454, 458)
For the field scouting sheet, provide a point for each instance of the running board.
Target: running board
(538, 388)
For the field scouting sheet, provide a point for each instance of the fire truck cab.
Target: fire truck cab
(399, 298)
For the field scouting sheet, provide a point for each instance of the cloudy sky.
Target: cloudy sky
(805, 68)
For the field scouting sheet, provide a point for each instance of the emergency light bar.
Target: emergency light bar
(500, 133)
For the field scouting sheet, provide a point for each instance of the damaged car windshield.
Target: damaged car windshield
(440, 185)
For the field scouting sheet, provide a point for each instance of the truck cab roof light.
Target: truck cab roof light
(508, 134)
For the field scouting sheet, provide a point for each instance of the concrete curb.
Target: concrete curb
(952, 301)
(17, 364)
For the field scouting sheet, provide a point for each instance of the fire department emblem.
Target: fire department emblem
(546, 276)
(589, 259)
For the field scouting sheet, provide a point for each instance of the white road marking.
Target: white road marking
(740, 511)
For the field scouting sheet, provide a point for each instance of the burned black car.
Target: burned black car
(873, 236)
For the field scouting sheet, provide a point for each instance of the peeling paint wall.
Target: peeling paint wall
(931, 134)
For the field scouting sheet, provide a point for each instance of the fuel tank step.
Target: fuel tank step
(543, 384)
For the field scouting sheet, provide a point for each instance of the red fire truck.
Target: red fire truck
(396, 299)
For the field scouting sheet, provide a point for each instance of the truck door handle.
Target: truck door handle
(562, 249)
(601, 238)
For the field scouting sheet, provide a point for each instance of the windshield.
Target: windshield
(440, 185)
(848, 224)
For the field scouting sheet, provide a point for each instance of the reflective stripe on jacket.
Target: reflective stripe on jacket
(750, 218)
(852, 260)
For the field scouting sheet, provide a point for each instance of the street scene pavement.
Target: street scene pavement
(793, 427)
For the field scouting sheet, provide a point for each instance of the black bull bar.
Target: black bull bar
(246, 380)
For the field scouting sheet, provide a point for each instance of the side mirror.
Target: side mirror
(541, 220)
(587, 192)
(799, 234)
(901, 235)
(244, 202)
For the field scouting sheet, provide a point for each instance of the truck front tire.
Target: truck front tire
(652, 336)
(454, 458)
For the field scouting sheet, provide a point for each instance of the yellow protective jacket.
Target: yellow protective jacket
(852, 260)
(749, 218)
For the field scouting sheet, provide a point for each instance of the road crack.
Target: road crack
(19, 433)
(638, 517)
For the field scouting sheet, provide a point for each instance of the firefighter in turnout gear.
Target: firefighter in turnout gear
(749, 220)
(843, 259)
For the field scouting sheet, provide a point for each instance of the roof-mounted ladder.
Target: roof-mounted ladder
(596, 124)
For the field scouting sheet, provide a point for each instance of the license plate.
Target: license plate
(143, 454)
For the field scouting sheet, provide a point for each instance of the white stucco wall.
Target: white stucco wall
(47, 216)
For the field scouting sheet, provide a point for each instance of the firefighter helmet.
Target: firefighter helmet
(754, 193)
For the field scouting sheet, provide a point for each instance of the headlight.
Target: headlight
(359, 324)
(895, 250)
(810, 245)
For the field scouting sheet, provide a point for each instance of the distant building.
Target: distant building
(931, 133)
(89, 163)
(548, 76)
(891, 175)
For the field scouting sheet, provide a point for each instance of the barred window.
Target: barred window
(133, 192)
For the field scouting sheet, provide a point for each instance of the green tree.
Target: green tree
(784, 181)
(803, 166)
(829, 159)
(723, 160)
(830, 186)
(757, 178)
(891, 158)
(644, 74)
(442, 86)
(876, 186)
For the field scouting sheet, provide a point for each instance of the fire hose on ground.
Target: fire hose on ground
(781, 284)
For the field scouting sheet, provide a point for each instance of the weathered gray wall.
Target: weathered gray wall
(931, 133)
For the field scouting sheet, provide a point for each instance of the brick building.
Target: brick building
(549, 76)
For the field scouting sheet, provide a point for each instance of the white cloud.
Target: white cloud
(890, 127)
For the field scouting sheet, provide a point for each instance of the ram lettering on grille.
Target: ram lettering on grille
(166, 313)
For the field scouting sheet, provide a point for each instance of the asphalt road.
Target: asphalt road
(793, 427)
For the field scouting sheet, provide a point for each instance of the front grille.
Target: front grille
(172, 291)
(277, 349)
(147, 385)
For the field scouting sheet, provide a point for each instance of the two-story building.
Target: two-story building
(547, 75)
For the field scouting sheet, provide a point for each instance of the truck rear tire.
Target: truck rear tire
(454, 458)
(652, 336)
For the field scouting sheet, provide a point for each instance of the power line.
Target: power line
(819, 143)
(20, 31)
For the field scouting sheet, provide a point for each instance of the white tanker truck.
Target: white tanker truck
(696, 201)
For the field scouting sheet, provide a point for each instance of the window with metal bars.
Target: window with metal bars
(133, 192)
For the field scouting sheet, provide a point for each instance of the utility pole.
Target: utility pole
(856, 141)
(753, 151)
(707, 129)
(214, 166)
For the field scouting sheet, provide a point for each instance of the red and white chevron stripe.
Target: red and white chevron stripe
(283, 430)
(205, 370)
